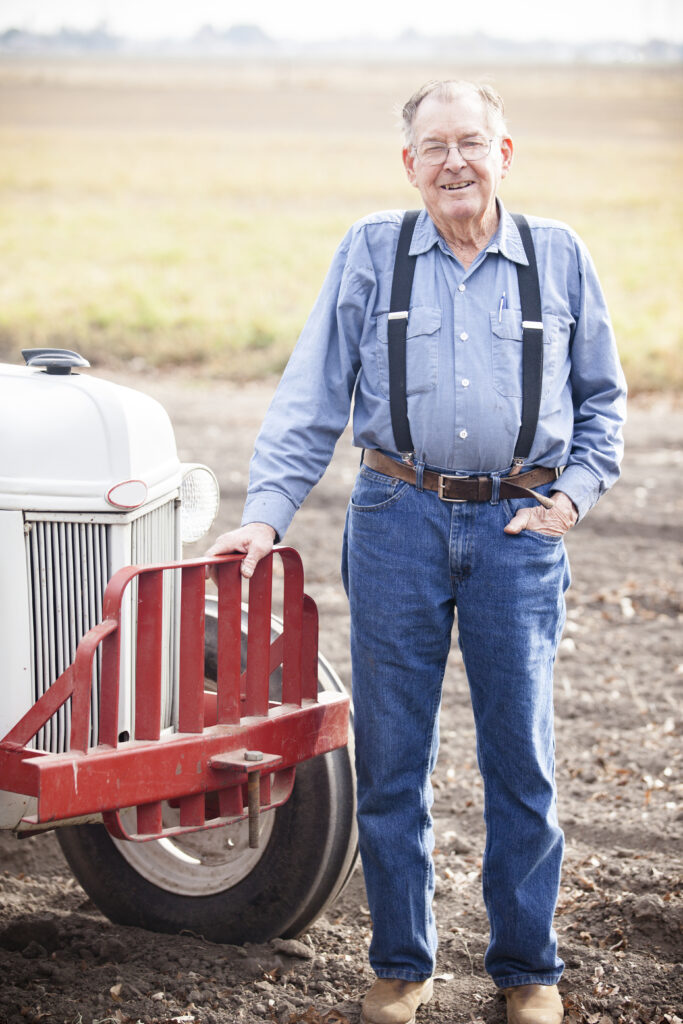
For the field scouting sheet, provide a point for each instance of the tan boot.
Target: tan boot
(534, 1004)
(392, 1001)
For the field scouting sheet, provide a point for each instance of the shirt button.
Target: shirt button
(463, 434)
(461, 287)
(464, 336)
(465, 382)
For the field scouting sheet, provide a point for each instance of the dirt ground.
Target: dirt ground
(618, 682)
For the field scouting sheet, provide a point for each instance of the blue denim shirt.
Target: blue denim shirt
(464, 360)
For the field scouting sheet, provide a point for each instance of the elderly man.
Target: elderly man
(471, 394)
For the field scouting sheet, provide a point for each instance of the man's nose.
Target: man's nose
(454, 159)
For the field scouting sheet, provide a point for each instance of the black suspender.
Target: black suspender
(532, 343)
(532, 339)
(404, 268)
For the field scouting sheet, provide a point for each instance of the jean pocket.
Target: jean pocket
(373, 491)
(511, 507)
(506, 351)
(544, 538)
(422, 350)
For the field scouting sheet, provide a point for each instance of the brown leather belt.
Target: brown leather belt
(465, 488)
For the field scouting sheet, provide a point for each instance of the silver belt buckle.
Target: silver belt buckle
(453, 501)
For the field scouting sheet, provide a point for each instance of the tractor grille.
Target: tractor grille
(69, 564)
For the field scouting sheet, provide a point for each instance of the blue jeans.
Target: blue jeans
(408, 560)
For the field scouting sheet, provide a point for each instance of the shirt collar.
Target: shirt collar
(425, 235)
(506, 241)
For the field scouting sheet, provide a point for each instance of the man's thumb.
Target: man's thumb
(519, 522)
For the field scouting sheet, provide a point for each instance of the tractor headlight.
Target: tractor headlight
(199, 497)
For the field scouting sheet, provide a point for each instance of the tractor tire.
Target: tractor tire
(211, 883)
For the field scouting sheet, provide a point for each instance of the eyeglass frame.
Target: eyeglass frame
(456, 145)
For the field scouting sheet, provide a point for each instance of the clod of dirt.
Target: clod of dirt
(293, 947)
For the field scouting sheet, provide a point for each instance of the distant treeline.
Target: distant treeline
(251, 40)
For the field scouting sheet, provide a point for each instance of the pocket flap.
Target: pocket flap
(421, 320)
(509, 325)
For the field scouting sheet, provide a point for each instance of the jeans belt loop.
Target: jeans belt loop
(419, 470)
(495, 488)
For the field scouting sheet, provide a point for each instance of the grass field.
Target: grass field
(185, 213)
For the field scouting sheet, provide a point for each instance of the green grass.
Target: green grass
(207, 248)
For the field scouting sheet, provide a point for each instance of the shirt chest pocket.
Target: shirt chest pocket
(506, 351)
(422, 350)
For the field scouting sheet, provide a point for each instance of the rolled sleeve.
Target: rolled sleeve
(271, 507)
(581, 486)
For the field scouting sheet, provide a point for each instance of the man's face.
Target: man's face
(456, 193)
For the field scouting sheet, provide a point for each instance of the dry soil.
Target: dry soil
(618, 682)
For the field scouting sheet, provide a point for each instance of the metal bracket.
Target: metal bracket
(252, 762)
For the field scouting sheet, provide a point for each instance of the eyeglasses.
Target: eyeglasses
(434, 153)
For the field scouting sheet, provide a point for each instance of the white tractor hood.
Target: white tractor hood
(68, 439)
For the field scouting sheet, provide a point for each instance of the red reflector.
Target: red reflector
(128, 494)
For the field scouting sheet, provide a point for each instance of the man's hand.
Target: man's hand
(554, 522)
(255, 540)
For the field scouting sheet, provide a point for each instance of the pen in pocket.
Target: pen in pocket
(501, 307)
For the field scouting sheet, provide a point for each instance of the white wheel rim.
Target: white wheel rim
(196, 863)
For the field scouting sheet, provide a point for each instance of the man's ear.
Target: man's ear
(409, 164)
(506, 149)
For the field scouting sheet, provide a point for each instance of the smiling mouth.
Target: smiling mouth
(456, 186)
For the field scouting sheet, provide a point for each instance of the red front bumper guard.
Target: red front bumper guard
(235, 751)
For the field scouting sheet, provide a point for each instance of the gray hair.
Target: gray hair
(447, 90)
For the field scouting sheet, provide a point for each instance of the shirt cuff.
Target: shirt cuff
(581, 486)
(269, 507)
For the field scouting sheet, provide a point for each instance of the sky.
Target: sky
(304, 20)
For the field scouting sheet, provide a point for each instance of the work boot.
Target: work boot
(392, 1001)
(534, 1004)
